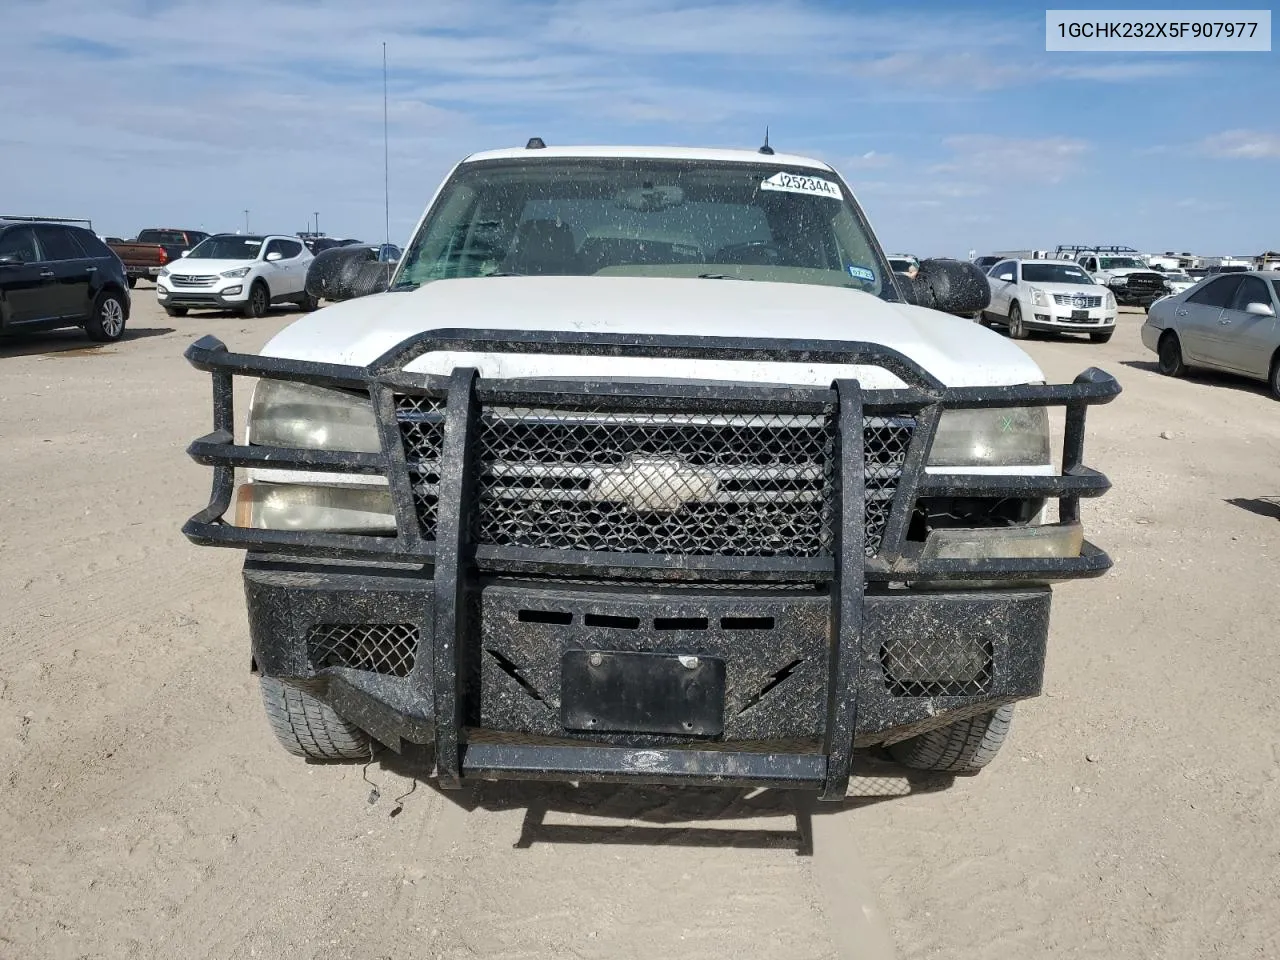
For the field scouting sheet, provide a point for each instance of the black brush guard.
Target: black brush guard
(455, 558)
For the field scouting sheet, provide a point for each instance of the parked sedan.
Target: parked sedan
(1227, 322)
(55, 275)
(1052, 295)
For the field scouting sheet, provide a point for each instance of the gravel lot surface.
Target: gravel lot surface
(146, 811)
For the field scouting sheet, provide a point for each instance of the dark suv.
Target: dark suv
(53, 275)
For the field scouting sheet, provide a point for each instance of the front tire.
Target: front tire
(965, 746)
(259, 301)
(176, 311)
(1017, 329)
(133, 282)
(306, 727)
(309, 304)
(1100, 337)
(1273, 381)
(106, 323)
(1169, 350)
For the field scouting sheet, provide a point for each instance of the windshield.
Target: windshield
(1177, 277)
(644, 218)
(227, 248)
(162, 236)
(1121, 263)
(1054, 273)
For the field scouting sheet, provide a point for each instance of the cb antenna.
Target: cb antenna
(766, 149)
(386, 153)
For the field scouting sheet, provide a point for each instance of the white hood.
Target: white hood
(955, 350)
(1071, 289)
(186, 267)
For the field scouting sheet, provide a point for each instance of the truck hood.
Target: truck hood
(1070, 289)
(955, 350)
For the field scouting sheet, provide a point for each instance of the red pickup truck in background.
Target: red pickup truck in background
(147, 253)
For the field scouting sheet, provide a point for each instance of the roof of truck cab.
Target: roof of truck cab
(652, 153)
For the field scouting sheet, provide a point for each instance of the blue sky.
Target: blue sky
(953, 125)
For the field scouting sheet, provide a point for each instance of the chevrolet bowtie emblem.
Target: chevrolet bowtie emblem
(651, 485)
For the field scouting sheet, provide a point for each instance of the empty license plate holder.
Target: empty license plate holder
(620, 692)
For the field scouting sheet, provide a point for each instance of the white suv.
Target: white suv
(238, 272)
(1051, 295)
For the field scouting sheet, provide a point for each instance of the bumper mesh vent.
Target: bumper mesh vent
(937, 666)
(386, 648)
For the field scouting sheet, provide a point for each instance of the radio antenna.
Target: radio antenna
(765, 148)
(386, 153)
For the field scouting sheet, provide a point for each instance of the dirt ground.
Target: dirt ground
(145, 810)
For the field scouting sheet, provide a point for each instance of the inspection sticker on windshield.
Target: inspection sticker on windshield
(861, 273)
(790, 183)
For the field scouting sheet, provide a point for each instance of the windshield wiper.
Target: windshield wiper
(721, 276)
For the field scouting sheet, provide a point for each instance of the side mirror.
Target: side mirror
(345, 273)
(952, 286)
(1005, 278)
(273, 256)
(1260, 309)
(184, 253)
(11, 260)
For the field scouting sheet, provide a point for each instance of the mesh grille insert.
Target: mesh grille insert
(937, 666)
(421, 422)
(386, 648)
(736, 484)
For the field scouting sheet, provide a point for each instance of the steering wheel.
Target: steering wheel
(754, 252)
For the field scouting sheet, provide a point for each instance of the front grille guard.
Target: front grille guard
(464, 391)
(451, 553)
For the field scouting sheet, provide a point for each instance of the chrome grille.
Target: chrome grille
(651, 482)
(1077, 301)
(192, 280)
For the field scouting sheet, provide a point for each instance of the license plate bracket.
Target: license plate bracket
(1079, 314)
(624, 692)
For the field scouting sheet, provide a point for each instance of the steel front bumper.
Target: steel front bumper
(463, 645)
(308, 618)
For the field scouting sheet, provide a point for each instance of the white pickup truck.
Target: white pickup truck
(644, 467)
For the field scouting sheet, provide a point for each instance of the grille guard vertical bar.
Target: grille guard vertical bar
(408, 527)
(913, 469)
(453, 523)
(850, 585)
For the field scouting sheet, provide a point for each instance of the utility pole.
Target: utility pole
(317, 223)
(246, 221)
(386, 155)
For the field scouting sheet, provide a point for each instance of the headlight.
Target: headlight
(1118, 282)
(237, 272)
(285, 414)
(164, 272)
(308, 506)
(1111, 300)
(1038, 298)
(992, 437)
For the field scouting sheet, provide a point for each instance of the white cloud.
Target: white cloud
(1242, 145)
(1045, 160)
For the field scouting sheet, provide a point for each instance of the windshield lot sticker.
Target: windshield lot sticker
(790, 183)
(861, 273)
